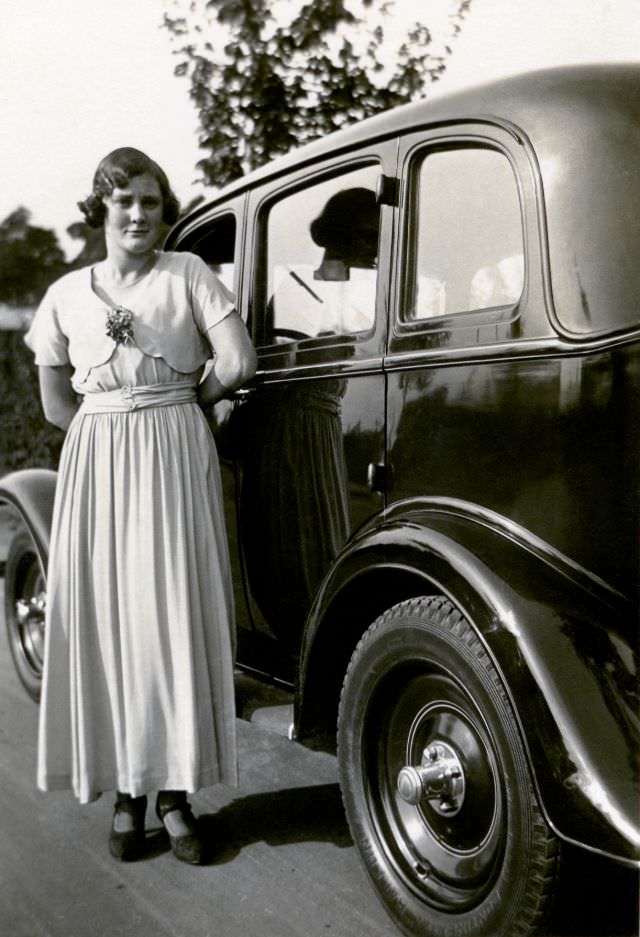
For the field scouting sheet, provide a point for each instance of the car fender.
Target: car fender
(31, 492)
(560, 638)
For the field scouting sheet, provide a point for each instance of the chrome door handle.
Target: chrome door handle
(243, 393)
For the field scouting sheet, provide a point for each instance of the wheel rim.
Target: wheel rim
(29, 612)
(447, 849)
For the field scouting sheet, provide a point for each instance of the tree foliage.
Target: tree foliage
(26, 439)
(266, 76)
(93, 244)
(30, 259)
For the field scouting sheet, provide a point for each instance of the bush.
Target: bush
(26, 439)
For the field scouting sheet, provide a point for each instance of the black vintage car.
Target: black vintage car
(433, 482)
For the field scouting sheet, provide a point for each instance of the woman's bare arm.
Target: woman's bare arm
(59, 400)
(235, 360)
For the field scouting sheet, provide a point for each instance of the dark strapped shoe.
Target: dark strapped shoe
(128, 845)
(188, 847)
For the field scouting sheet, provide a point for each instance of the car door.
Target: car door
(217, 239)
(478, 395)
(309, 435)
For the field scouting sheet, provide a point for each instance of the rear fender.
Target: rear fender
(31, 492)
(560, 639)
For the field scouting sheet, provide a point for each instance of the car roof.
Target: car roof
(540, 104)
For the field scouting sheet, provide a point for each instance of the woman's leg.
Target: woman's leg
(127, 839)
(174, 811)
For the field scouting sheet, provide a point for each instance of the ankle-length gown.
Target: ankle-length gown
(138, 684)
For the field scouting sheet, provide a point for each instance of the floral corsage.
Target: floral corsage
(119, 325)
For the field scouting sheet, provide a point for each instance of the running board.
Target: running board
(264, 705)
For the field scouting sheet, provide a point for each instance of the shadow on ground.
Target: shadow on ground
(277, 818)
(600, 899)
(296, 815)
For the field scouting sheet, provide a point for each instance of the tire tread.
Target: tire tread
(439, 611)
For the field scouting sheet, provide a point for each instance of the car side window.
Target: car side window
(217, 248)
(468, 241)
(321, 248)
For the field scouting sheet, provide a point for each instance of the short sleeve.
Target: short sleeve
(45, 337)
(211, 300)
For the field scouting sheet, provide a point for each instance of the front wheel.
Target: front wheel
(25, 599)
(435, 781)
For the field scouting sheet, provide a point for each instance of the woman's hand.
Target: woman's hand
(59, 400)
(235, 360)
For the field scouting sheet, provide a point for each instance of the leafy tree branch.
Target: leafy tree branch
(267, 76)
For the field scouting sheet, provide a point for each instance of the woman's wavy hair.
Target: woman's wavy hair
(115, 171)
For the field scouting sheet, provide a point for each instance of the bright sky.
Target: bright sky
(501, 37)
(81, 77)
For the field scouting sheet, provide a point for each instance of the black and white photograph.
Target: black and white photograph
(320, 468)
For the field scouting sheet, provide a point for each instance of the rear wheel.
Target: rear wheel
(25, 599)
(435, 781)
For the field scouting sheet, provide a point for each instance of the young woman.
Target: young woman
(138, 684)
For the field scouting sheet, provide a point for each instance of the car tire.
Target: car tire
(24, 599)
(468, 855)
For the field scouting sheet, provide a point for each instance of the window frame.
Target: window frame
(464, 320)
(317, 351)
(271, 226)
(199, 231)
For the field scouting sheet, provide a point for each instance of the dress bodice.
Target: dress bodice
(173, 308)
(129, 366)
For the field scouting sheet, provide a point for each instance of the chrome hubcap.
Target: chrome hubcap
(30, 618)
(434, 787)
(439, 779)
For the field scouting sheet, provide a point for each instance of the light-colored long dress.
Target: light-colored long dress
(138, 684)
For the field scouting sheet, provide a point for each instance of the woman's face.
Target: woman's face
(134, 215)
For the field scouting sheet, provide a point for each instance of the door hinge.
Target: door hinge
(378, 477)
(387, 189)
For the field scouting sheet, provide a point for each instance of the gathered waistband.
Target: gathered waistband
(138, 397)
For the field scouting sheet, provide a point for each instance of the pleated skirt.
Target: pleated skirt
(138, 688)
